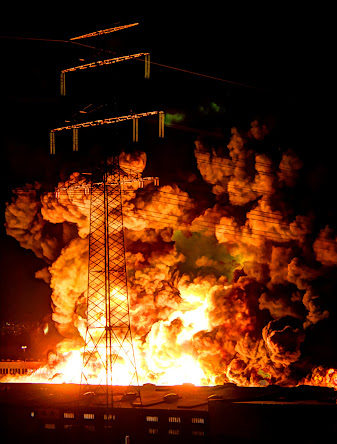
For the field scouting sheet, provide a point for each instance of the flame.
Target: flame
(168, 354)
(217, 294)
(46, 328)
(322, 377)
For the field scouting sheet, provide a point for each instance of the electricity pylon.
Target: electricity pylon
(108, 341)
(108, 355)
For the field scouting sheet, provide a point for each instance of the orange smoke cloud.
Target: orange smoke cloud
(234, 304)
(25, 223)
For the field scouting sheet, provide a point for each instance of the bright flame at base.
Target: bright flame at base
(69, 370)
(185, 370)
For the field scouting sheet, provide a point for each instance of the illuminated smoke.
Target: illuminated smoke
(218, 294)
(25, 223)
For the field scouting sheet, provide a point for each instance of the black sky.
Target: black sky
(281, 54)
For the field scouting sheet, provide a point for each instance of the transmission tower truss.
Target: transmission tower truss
(108, 357)
(105, 62)
(98, 63)
(108, 121)
(104, 31)
(136, 182)
(108, 353)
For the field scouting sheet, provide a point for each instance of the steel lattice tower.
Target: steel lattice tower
(108, 335)
(108, 349)
(108, 338)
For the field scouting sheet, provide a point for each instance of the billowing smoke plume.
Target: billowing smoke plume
(228, 292)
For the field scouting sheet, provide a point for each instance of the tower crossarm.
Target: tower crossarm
(99, 63)
(134, 117)
(107, 121)
(135, 181)
(104, 31)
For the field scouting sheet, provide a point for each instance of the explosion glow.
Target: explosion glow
(232, 305)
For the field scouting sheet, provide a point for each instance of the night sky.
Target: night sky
(280, 57)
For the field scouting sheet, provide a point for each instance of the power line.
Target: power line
(8, 37)
(209, 224)
(212, 224)
(206, 76)
(258, 162)
(175, 68)
(179, 201)
(235, 165)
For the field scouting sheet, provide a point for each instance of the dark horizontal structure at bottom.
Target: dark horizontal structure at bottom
(55, 413)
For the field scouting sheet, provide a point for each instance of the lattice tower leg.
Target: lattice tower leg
(109, 348)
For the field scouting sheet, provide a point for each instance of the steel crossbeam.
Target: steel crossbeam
(105, 62)
(104, 31)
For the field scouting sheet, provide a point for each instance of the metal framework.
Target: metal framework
(135, 129)
(52, 142)
(108, 343)
(98, 63)
(75, 139)
(108, 121)
(104, 31)
(105, 62)
(108, 357)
